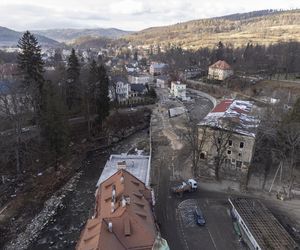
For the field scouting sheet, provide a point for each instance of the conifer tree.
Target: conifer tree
(102, 98)
(30, 64)
(54, 122)
(73, 88)
(92, 79)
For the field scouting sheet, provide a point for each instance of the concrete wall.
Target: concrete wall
(237, 157)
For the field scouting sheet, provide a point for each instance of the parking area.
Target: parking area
(218, 232)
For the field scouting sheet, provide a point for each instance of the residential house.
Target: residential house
(236, 120)
(138, 90)
(122, 88)
(157, 68)
(123, 215)
(139, 78)
(192, 72)
(178, 90)
(220, 71)
(162, 81)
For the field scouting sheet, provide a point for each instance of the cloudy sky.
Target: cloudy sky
(124, 14)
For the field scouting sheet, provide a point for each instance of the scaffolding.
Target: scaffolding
(260, 224)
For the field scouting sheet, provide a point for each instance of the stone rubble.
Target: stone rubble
(51, 206)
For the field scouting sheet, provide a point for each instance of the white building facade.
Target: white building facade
(178, 90)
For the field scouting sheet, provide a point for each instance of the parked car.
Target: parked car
(199, 217)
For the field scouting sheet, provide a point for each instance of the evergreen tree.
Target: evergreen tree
(102, 99)
(90, 94)
(220, 51)
(92, 79)
(31, 68)
(55, 124)
(73, 88)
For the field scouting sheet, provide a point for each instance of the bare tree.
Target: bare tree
(14, 106)
(289, 138)
(220, 140)
(196, 139)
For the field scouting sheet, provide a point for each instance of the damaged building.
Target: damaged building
(228, 132)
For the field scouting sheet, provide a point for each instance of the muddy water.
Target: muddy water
(64, 229)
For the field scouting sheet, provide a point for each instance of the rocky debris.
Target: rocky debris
(51, 206)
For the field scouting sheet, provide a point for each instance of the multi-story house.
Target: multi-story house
(178, 90)
(230, 128)
(220, 71)
(157, 68)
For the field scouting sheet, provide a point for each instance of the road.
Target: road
(176, 216)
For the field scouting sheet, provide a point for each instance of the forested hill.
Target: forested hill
(10, 37)
(262, 27)
(71, 35)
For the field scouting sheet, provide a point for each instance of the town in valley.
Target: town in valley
(181, 135)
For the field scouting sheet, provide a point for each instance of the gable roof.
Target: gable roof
(221, 65)
(138, 87)
(237, 112)
(123, 202)
(116, 79)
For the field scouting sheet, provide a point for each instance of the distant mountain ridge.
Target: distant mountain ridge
(10, 37)
(262, 27)
(70, 35)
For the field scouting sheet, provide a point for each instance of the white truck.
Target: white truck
(187, 186)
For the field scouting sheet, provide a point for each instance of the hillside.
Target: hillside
(70, 35)
(86, 42)
(10, 37)
(262, 27)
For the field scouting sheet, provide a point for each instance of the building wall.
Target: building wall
(156, 69)
(122, 90)
(219, 74)
(178, 90)
(160, 83)
(238, 153)
(139, 79)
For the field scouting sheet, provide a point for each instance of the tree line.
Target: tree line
(280, 58)
(48, 101)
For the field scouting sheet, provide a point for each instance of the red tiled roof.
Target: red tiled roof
(123, 201)
(222, 106)
(221, 65)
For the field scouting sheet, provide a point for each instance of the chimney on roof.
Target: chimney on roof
(110, 226)
(121, 165)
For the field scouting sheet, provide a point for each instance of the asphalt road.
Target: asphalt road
(176, 215)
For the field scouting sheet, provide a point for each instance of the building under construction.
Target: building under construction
(259, 226)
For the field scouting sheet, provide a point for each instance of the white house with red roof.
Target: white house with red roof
(220, 71)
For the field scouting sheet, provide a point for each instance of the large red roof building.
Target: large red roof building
(123, 217)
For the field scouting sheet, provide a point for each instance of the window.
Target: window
(202, 155)
(240, 154)
(227, 163)
(239, 164)
(230, 143)
(229, 152)
(233, 161)
(242, 144)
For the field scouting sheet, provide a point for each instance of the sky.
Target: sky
(132, 15)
